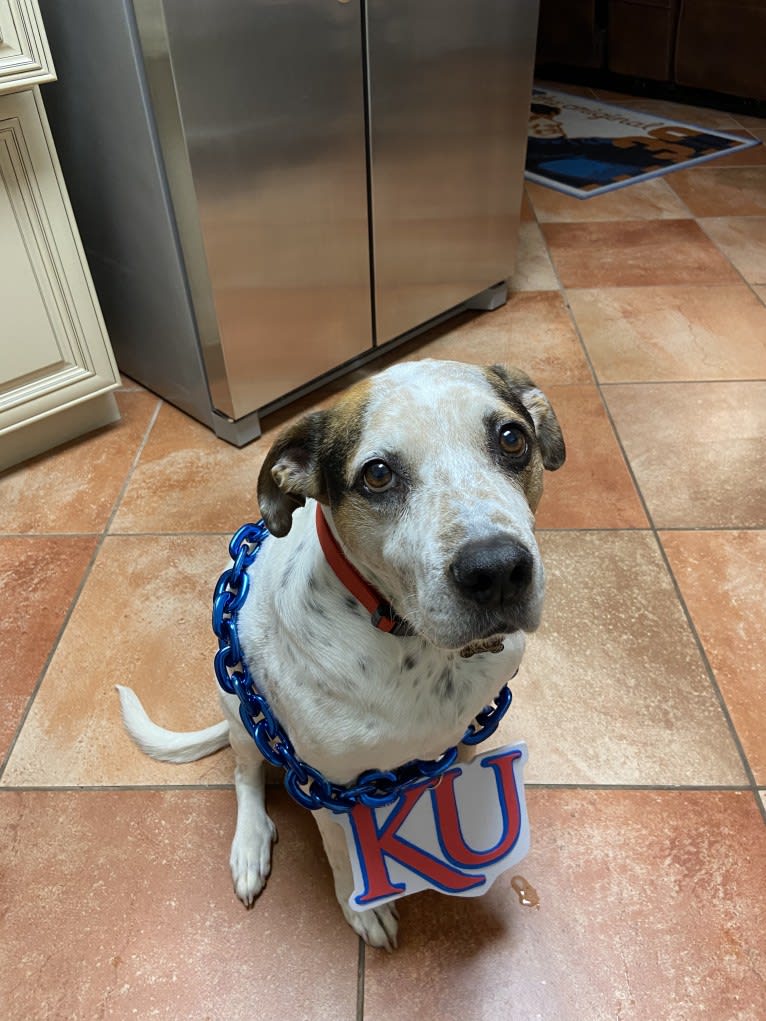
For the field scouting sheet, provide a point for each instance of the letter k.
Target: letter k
(376, 843)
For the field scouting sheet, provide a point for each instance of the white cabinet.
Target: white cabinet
(57, 369)
(24, 56)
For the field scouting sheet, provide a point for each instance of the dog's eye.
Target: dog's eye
(378, 476)
(512, 441)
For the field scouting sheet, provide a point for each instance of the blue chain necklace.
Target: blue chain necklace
(307, 785)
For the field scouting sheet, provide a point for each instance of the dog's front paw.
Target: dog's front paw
(377, 926)
(251, 859)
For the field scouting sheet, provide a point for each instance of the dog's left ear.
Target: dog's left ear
(291, 472)
(514, 385)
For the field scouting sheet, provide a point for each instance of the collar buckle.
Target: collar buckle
(385, 619)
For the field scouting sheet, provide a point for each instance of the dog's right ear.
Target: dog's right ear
(291, 472)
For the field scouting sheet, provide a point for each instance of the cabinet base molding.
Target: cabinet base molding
(67, 424)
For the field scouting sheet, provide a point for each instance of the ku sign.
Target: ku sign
(455, 835)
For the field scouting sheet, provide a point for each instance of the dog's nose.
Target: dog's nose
(492, 572)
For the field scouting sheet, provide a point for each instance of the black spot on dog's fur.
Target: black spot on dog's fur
(445, 686)
(410, 662)
(316, 608)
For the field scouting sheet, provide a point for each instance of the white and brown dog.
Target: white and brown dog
(428, 475)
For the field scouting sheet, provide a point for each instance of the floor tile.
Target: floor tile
(722, 576)
(649, 200)
(593, 489)
(635, 252)
(756, 125)
(698, 450)
(672, 333)
(130, 384)
(74, 488)
(188, 480)
(38, 581)
(533, 331)
(143, 619)
(722, 191)
(122, 907)
(649, 908)
(753, 156)
(743, 241)
(527, 212)
(612, 689)
(534, 269)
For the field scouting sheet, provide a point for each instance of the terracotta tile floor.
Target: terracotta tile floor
(642, 698)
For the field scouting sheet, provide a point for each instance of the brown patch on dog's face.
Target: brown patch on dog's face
(340, 441)
(310, 460)
(519, 392)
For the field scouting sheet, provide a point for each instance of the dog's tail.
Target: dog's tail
(168, 745)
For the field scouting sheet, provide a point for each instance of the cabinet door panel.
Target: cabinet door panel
(53, 346)
(25, 59)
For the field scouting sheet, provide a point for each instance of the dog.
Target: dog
(428, 475)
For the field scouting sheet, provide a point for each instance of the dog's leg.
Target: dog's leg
(255, 832)
(377, 926)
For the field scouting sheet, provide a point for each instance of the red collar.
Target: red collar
(382, 615)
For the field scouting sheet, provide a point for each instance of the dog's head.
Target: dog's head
(431, 472)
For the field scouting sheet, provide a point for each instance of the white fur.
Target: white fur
(351, 697)
(168, 745)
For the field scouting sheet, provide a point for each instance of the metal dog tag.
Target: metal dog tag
(455, 835)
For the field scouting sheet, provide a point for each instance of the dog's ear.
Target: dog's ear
(291, 472)
(513, 384)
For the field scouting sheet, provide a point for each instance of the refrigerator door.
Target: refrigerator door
(271, 101)
(449, 102)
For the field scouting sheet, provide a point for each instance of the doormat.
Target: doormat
(584, 147)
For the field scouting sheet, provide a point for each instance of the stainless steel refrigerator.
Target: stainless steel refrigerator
(271, 191)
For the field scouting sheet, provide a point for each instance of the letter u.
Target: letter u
(449, 832)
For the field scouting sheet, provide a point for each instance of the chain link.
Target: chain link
(307, 785)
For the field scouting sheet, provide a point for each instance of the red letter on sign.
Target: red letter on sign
(373, 843)
(451, 838)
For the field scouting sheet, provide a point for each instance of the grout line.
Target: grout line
(118, 788)
(179, 534)
(563, 528)
(712, 528)
(360, 980)
(49, 535)
(610, 419)
(133, 467)
(76, 597)
(682, 382)
(683, 788)
(661, 528)
(707, 285)
(682, 603)
(149, 788)
(712, 680)
(751, 285)
(99, 535)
